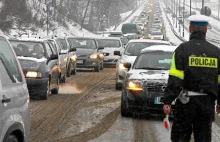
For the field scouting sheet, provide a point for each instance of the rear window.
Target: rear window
(134, 48)
(109, 43)
(28, 49)
(82, 43)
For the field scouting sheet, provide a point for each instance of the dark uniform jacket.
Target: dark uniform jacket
(195, 67)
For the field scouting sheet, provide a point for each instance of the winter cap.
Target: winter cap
(199, 20)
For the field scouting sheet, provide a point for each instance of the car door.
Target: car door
(63, 57)
(53, 69)
(14, 107)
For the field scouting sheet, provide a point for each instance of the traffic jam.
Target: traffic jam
(103, 88)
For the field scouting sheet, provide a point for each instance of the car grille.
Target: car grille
(155, 87)
(82, 56)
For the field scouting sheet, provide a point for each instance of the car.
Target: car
(14, 106)
(146, 80)
(69, 51)
(132, 50)
(88, 52)
(110, 45)
(39, 63)
(131, 28)
(131, 36)
(115, 34)
(157, 35)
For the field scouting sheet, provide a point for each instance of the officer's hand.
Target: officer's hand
(166, 109)
(218, 109)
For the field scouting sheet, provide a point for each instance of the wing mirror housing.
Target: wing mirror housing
(117, 53)
(52, 57)
(72, 49)
(127, 65)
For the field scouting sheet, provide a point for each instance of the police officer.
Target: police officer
(194, 81)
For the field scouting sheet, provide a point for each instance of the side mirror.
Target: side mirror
(127, 65)
(117, 53)
(100, 48)
(72, 49)
(52, 57)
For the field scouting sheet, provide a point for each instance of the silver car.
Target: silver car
(14, 106)
(132, 50)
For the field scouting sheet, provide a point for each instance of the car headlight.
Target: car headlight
(73, 57)
(121, 66)
(134, 85)
(33, 74)
(93, 56)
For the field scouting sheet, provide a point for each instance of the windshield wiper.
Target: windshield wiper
(152, 68)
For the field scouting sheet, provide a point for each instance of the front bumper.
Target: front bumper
(146, 101)
(37, 86)
(86, 63)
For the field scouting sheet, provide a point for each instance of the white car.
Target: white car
(156, 35)
(110, 45)
(132, 50)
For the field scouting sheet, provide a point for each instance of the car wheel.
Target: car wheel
(125, 112)
(68, 74)
(56, 90)
(118, 86)
(63, 79)
(45, 94)
(74, 71)
(102, 66)
(97, 69)
(11, 138)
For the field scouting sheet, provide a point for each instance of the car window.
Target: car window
(160, 60)
(109, 43)
(49, 51)
(82, 43)
(53, 47)
(9, 67)
(134, 48)
(28, 49)
(63, 42)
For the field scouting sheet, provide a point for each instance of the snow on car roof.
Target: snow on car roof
(32, 58)
(165, 48)
(30, 39)
(149, 40)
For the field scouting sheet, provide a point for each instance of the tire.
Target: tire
(74, 71)
(125, 112)
(11, 138)
(68, 74)
(63, 79)
(56, 90)
(45, 94)
(118, 86)
(97, 69)
(102, 66)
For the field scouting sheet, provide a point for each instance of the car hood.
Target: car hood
(128, 59)
(85, 51)
(136, 74)
(30, 63)
(111, 50)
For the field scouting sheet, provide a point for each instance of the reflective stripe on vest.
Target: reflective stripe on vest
(218, 79)
(175, 72)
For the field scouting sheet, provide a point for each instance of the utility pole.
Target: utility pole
(176, 12)
(218, 8)
(183, 15)
(179, 16)
(190, 9)
(85, 14)
(202, 3)
(47, 19)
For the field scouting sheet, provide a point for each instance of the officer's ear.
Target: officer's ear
(190, 29)
(205, 29)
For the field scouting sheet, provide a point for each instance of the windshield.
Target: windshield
(134, 48)
(154, 60)
(28, 49)
(109, 43)
(82, 43)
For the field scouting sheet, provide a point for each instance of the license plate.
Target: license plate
(79, 61)
(157, 100)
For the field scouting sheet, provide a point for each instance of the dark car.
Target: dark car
(70, 54)
(88, 52)
(40, 66)
(143, 88)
